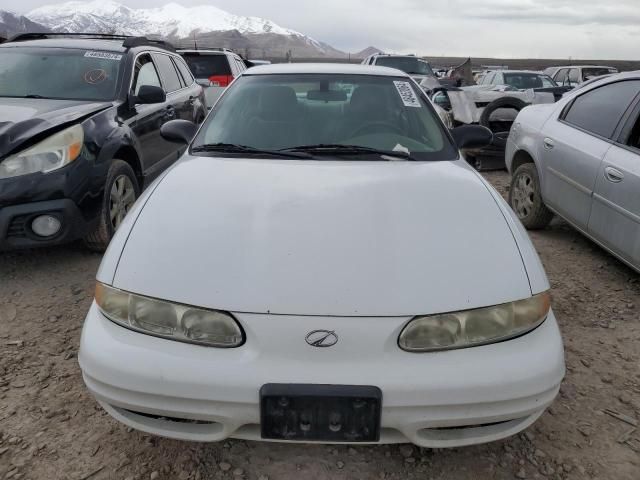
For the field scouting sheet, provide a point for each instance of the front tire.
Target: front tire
(120, 193)
(526, 200)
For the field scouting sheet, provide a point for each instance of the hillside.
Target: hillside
(11, 24)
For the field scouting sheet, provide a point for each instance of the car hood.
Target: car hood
(323, 238)
(23, 118)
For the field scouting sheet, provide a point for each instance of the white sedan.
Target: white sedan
(322, 265)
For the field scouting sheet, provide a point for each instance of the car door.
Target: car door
(197, 106)
(615, 217)
(561, 76)
(178, 106)
(149, 118)
(574, 145)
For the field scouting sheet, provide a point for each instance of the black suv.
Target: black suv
(80, 120)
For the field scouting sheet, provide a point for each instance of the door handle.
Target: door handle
(613, 175)
(548, 144)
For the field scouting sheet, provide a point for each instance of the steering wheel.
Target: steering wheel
(384, 126)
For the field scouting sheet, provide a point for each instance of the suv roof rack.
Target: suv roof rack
(131, 42)
(196, 48)
(127, 40)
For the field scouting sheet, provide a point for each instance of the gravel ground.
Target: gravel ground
(51, 428)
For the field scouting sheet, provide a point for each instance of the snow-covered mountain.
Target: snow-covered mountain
(12, 23)
(171, 20)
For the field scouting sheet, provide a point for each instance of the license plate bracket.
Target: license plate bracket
(329, 413)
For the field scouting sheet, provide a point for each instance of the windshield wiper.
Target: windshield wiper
(339, 149)
(243, 149)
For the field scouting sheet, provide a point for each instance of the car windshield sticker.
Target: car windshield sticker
(407, 94)
(103, 55)
(93, 77)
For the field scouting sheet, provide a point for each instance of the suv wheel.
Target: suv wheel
(526, 200)
(120, 193)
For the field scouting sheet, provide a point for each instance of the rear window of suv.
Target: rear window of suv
(207, 65)
(410, 65)
(59, 73)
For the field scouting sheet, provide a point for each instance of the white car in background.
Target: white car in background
(419, 69)
(574, 75)
(580, 158)
(305, 273)
(214, 69)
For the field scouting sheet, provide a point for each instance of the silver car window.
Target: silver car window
(600, 110)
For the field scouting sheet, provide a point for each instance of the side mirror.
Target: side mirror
(472, 136)
(150, 94)
(203, 82)
(179, 131)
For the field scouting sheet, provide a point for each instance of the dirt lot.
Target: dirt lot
(50, 427)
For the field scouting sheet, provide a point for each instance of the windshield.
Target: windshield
(588, 73)
(59, 73)
(287, 111)
(410, 65)
(207, 65)
(524, 81)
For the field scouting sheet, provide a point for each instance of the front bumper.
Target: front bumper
(73, 194)
(443, 399)
(15, 224)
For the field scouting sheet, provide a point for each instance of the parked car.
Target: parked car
(517, 79)
(257, 63)
(80, 136)
(420, 70)
(214, 69)
(580, 158)
(320, 268)
(574, 75)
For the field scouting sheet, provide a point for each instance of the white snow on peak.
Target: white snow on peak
(172, 19)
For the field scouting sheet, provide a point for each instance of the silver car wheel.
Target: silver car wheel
(524, 195)
(122, 197)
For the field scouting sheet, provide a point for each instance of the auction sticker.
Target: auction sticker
(103, 55)
(407, 94)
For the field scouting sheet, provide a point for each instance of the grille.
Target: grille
(18, 227)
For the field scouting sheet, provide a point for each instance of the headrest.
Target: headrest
(367, 96)
(278, 103)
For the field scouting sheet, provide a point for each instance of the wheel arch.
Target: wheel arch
(520, 158)
(129, 154)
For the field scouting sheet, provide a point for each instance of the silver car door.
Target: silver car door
(615, 217)
(574, 145)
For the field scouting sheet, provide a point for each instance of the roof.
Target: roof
(411, 55)
(584, 66)
(324, 68)
(119, 44)
(530, 72)
(79, 43)
(206, 51)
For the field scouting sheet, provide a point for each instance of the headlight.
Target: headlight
(475, 327)
(52, 153)
(169, 320)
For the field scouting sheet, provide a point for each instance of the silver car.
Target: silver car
(580, 159)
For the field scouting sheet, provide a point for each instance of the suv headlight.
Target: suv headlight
(475, 327)
(50, 154)
(169, 320)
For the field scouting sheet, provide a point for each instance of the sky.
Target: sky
(587, 29)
